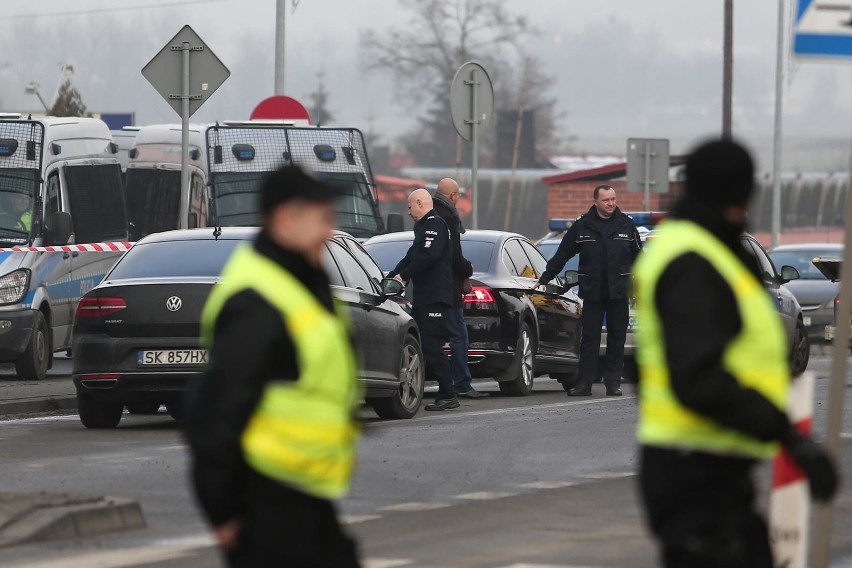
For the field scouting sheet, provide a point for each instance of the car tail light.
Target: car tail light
(479, 295)
(98, 307)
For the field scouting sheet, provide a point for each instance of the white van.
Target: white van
(153, 180)
(227, 165)
(60, 184)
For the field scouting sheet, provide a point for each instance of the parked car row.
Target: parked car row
(136, 334)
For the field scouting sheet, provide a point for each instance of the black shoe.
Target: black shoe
(473, 393)
(613, 391)
(580, 391)
(443, 404)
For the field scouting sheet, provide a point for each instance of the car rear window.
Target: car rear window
(174, 258)
(478, 253)
(802, 260)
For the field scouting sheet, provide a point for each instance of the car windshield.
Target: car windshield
(195, 258)
(802, 260)
(17, 186)
(478, 253)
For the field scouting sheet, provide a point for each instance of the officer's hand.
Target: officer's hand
(539, 287)
(817, 465)
(398, 278)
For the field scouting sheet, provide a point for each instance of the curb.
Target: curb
(37, 404)
(47, 517)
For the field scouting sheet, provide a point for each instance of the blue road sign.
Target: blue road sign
(823, 28)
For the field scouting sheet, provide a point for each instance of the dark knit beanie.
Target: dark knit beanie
(719, 173)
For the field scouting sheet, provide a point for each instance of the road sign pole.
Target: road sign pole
(474, 147)
(647, 199)
(184, 139)
(776, 150)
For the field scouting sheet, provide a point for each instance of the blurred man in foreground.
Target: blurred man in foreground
(714, 375)
(271, 423)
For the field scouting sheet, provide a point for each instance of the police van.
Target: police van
(60, 186)
(153, 180)
(228, 163)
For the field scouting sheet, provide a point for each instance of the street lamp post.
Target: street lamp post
(32, 89)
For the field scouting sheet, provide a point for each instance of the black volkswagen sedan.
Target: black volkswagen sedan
(515, 333)
(136, 334)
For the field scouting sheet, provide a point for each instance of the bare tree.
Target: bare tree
(68, 101)
(423, 56)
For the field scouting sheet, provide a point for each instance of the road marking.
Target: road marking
(548, 484)
(453, 414)
(386, 562)
(607, 474)
(414, 506)
(484, 495)
(352, 519)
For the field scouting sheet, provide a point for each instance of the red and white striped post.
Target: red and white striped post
(790, 504)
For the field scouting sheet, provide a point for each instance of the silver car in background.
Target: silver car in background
(814, 292)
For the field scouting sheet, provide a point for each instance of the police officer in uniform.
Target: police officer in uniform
(713, 363)
(607, 242)
(271, 424)
(428, 265)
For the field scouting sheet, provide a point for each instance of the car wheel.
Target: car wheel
(95, 414)
(143, 407)
(800, 352)
(517, 380)
(33, 364)
(406, 401)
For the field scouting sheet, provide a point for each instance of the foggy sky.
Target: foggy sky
(623, 68)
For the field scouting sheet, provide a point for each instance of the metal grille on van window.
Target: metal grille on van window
(240, 156)
(22, 142)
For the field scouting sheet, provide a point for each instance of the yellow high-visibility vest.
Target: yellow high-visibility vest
(303, 432)
(757, 357)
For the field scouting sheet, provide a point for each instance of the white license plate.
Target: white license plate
(173, 357)
(631, 323)
(806, 320)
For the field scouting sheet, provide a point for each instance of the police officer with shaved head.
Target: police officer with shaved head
(428, 265)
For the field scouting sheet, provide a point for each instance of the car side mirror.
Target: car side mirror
(789, 273)
(58, 228)
(392, 287)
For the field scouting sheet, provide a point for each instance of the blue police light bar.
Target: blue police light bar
(325, 153)
(559, 224)
(647, 219)
(243, 152)
(8, 146)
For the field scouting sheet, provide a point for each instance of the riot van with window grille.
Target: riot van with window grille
(60, 185)
(239, 154)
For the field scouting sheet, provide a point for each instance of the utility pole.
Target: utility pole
(280, 10)
(728, 69)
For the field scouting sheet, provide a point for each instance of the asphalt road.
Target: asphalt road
(540, 481)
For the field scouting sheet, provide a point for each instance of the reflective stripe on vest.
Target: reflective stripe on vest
(757, 357)
(302, 432)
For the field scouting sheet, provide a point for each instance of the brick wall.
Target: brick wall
(570, 199)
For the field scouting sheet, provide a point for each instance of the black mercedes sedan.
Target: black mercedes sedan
(136, 335)
(515, 333)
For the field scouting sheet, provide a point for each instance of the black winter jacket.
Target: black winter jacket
(462, 268)
(429, 262)
(605, 259)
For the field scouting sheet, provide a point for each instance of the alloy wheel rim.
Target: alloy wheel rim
(410, 377)
(527, 358)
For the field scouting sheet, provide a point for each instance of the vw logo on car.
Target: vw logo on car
(173, 304)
